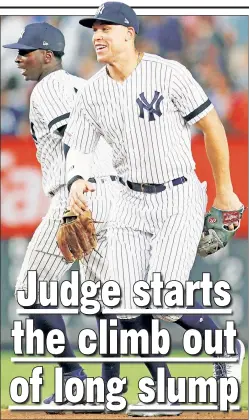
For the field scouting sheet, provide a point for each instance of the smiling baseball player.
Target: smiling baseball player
(50, 106)
(144, 106)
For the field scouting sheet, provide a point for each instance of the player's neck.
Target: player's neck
(49, 70)
(120, 69)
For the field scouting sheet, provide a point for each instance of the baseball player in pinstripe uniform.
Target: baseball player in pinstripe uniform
(41, 47)
(50, 105)
(144, 106)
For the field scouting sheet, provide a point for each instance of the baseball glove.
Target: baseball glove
(76, 236)
(216, 234)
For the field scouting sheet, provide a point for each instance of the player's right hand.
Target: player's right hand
(228, 201)
(77, 200)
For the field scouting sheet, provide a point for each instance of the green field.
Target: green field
(132, 371)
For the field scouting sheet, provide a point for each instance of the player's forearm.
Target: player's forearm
(78, 165)
(218, 155)
(217, 152)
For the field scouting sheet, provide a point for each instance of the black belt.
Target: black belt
(154, 188)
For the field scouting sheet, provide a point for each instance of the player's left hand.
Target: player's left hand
(77, 201)
(228, 201)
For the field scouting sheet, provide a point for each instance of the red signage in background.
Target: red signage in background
(24, 203)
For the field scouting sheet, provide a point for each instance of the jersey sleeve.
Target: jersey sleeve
(188, 96)
(54, 101)
(82, 132)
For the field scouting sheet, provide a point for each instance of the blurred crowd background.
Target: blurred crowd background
(213, 48)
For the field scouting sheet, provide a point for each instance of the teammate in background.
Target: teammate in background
(144, 106)
(41, 47)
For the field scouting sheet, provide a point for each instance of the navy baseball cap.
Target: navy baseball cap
(40, 36)
(113, 12)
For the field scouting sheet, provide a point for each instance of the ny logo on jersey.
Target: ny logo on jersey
(100, 10)
(153, 107)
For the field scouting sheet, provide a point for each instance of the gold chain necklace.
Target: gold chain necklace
(139, 58)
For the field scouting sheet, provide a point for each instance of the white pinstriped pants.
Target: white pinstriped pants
(155, 233)
(44, 256)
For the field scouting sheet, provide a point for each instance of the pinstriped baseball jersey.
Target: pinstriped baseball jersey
(146, 119)
(102, 160)
(51, 102)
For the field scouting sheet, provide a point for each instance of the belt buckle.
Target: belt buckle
(143, 185)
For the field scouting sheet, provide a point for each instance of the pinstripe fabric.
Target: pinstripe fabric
(102, 160)
(156, 233)
(146, 119)
(96, 267)
(43, 254)
(148, 147)
(51, 102)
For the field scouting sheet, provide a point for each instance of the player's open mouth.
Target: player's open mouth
(23, 71)
(99, 47)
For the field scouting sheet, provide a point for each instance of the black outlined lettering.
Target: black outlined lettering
(34, 338)
(48, 293)
(147, 387)
(29, 297)
(59, 385)
(115, 401)
(141, 289)
(161, 391)
(192, 342)
(55, 342)
(111, 294)
(74, 390)
(95, 390)
(177, 391)
(160, 338)
(17, 333)
(174, 295)
(224, 298)
(202, 390)
(132, 340)
(193, 286)
(229, 390)
(19, 390)
(89, 290)
(36, 382)
(70, 290)
(87, 341)
(206, 285)
(156, 285)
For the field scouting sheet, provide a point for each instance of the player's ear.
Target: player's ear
(130, 34)
(48, 56)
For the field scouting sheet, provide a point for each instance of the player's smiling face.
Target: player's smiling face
(31, 63)
(108, 41)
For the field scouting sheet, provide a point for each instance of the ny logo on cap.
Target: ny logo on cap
(22, 33)
(100, 10)
(126, 21)
(45, 43)
(144, 104)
